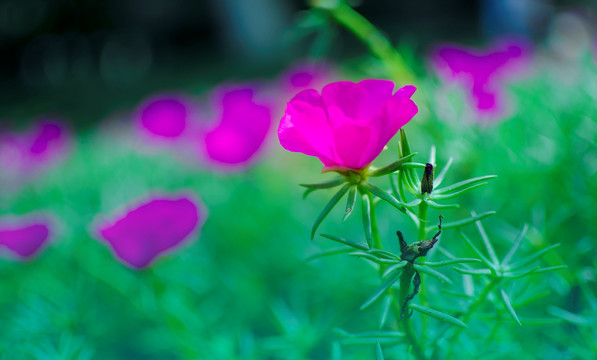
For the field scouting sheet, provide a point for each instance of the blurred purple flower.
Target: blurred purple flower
(148, 230)
(348, 125)
(36, 148)
(25, 236)
(241, 131)
(164, 116)
(306, 75)
(482, 73)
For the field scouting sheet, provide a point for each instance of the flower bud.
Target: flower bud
(427, 182)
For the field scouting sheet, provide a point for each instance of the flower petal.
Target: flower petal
(24, 240)
(350, 141)
(142, 234)
(346, 101)
(305, 128)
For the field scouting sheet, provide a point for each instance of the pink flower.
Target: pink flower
(348, 125)
(306, 75)
(38, 147)
(148, 230)
(25, 236)
(241, 131)
(164, 116)
(482, 73)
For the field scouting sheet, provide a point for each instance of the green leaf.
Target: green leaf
(413, 165)
(394, 267)
(506, 301)
(366, 217)
(371, 334)
(533, 257)
(531, 298)
(404, 147)
(385, 196)
(382, 288)
(371, 257)
(441, 206)
(515, 246)
(474, 248)
(384, 254)
(385, 311)
(549, 268)
(378, 352)
(461, 223)
(473, 271)
(463, 184)
(325, 185)
(438, 315)
(393, 167)
(442, 175)
(450, 262)
(570, 317)
(520, 274)
(486, 241)
(436, 274)
(451, 195)
(328, 208)
(346, 242)
(350, 202)
(328, 253)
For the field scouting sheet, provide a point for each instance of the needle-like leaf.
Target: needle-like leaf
(366, 216)
(486, 241)
(474, 248)
(506, 301)
(382, 289)
(346, 242)
(350, 202)
(435, 205)
(385, 196)
(451, 195)
(442, 175)
(333, 201)
(462, 222)
(434, 273)
(463, 184)
(450, 262)
(328, 253)
(533, 257)
(393, 167)
(438, 315)
(515, 246)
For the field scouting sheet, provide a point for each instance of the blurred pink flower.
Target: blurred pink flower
(40, 146)
(306, 75)
(482, 73)
(348, 125)
(25, 236)
(241, 131)
(148, 230)
(164, 116)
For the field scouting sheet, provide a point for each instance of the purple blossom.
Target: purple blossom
(482, 73)
(25, 236)
(151, 228)
(241, 130)
(164, 116)
(44, 143)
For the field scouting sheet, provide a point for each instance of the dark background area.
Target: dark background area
(84, 59)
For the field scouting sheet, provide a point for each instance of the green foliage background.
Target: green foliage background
(242, 289)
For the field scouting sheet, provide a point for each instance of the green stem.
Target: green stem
(476, 303)
(378, 44)
(422, 215)
(405, 280)
(374, 229)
